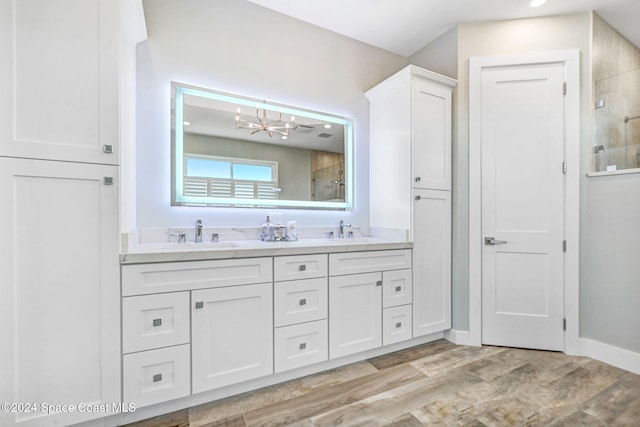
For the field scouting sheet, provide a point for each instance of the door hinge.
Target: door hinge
(564, 246)
(564, 88)
(564, 166)
(564, 324)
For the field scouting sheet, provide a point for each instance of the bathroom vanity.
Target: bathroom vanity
(231, 315)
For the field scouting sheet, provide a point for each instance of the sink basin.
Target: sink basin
(202, 246)
(353, 240)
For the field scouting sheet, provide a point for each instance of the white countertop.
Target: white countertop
(171, 252)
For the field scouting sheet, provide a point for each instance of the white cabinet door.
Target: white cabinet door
(355, 313)
(59, 80)
(231, 335)
(59, 281)
(431, 135)
(431, 262)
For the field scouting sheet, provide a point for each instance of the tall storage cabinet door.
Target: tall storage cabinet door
(431, 262)
(355, 313)
(59, 281)
(232, 335)
(59, 80)
(431, 135)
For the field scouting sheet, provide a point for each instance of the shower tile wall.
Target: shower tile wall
(616, 73)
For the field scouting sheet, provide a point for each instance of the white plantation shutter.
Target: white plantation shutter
(196, 187)
(216, 187)
(220, 188)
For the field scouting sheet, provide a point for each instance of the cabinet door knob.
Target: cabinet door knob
(303, 345)
(302, 267)
(107, 149)
(399, 325)
(418, 179)
(157, 378)
(379, 283)
(398, 288)
(157, 322)
(200, 304)
(303, 301)
(418, 197)
(108, 180)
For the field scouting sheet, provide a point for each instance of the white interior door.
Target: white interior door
(522, 205)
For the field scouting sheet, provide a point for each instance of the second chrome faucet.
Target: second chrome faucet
(198, 238)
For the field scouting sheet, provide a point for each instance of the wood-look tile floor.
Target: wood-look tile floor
(437, 384)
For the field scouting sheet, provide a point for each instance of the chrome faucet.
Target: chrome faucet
(342, 226)
(198, 238)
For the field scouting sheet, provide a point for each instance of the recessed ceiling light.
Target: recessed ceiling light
(536, 3)
(327, 126)
(186, 123)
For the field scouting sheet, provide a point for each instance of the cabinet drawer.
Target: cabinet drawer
(396, 324)
(156, 376)
(300, 301)
(300, 345)
(154, 321)
(181, 276)
(396, 288)
(299, 267)
(369, 262)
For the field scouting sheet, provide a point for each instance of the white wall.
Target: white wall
(239, 47)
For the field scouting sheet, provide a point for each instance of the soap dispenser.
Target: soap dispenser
(265, 232)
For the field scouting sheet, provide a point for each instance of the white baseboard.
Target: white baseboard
(597, 350)
(458, 337)
(611, 355)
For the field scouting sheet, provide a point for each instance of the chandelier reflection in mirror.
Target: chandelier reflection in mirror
(263, 124)
(235, 151)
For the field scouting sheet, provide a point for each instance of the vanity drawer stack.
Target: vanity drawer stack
(300, 311)
(164, 305)
(155, 343)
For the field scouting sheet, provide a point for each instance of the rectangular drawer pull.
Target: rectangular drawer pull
(157, 378)
(303, 346)
(398, 288)
(379, 283)
(303, 301)
(200, 304)
(157, 322)
(399, 325)
(302, 267)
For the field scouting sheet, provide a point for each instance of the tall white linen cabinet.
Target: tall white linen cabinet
(410, 182)
(62, 91)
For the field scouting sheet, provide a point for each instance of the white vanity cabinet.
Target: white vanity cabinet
(195, 326)
(300, 311)
(410, 116)
(356, 315)
(232, 335)
(202, 326)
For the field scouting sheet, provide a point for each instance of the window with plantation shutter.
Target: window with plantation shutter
(221, 177)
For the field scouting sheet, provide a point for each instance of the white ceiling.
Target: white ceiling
(405, 26)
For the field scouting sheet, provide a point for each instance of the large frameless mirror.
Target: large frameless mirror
(235, 151)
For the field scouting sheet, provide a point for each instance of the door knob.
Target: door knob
(491, 241)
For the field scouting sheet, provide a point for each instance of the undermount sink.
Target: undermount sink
(353, 240)
(204, 245)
